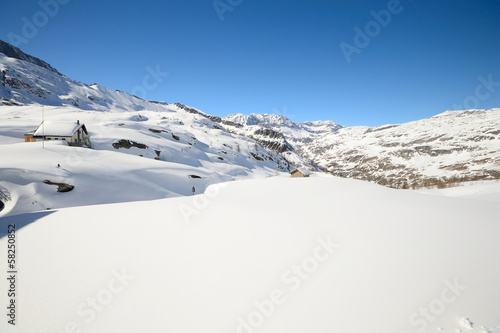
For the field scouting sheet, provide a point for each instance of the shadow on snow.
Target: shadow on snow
(21, 220)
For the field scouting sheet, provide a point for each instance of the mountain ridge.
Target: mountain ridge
(14, 52)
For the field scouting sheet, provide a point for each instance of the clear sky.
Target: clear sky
(353, 62)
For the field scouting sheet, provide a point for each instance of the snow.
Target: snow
(360, 258)
(46, 87)
(452, 144)
(179, 145)
(57, 128)
(483, 190)
(98, 176)
(130, 249)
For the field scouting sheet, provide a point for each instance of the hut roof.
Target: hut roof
(58, 128)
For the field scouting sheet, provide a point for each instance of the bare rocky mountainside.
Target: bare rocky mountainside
(443, 150)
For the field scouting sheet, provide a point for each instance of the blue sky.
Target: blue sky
(281, 57)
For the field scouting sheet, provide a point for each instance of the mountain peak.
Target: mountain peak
(13, 52)
(261, 119)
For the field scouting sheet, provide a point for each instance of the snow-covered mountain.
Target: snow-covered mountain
(162, 128)
(451, 147)
(294, 132)
(27, 80)
(167, 151)
(169, 148)
(445, 149)
(280, 134)
(14, 52)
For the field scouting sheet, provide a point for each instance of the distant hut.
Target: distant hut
(300, 173)
(74, 133)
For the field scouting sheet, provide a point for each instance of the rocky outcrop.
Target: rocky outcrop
(195, 111)
(61, 187)
(127, 144)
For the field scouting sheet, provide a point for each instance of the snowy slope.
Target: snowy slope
(488, 190)
(249, 258)
(14, 52)
(173, 137)
(151, 154)
(170, 134)
(99, 177)
(448, 148)
(26, 80)
(26, 83)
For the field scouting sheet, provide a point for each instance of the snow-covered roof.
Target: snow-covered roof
(304, 171)
(57, 128)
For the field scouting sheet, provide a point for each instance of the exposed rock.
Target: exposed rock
(195, 111)
(127, 144)
(61, 187)
(257, 157)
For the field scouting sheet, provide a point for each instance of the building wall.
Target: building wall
(299, 174)
(79, 138)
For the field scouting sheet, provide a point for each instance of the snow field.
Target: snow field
(251, 261)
